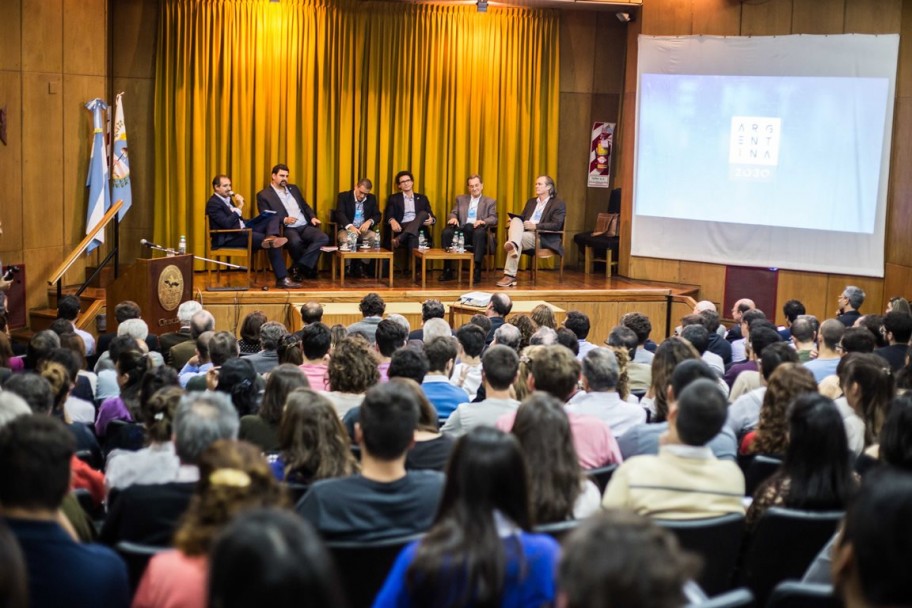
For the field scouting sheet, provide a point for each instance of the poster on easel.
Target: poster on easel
(601, 143)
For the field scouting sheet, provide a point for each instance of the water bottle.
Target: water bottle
(352, 241)
(460, 245)
(422, 242)
(182, 245)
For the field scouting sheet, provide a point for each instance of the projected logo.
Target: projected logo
(754, 147)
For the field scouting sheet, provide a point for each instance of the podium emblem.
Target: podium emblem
(170, 287)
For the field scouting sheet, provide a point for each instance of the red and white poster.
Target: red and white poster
(600, 154)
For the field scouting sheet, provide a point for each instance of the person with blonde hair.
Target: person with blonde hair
(234, 478)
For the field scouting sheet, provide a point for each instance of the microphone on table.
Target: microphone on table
(152, 245)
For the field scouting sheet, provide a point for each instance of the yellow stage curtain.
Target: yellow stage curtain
(341, 90)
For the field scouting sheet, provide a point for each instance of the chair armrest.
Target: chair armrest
(549, 231)
(225, 230)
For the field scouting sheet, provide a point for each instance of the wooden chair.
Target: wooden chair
(542, 253)
(217, 253)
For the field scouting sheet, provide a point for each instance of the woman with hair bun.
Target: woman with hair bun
(234, 478)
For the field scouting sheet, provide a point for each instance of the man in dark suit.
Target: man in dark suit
(357, 212)
(474, 214)
(301, 223)
(224, 211)
(407, 212)
(544, 212)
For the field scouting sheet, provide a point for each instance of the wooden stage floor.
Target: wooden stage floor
(603, 299)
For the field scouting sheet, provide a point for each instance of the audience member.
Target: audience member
(169, 340)
(543, 316)
(467, 373)
(290, 351)
(685, 480)
(788, 382)
(131, 365)
(39, 346)
(744, 412)
(237, 379)
(35, 453)
(618, 558)
(525, 326)
(850, 301)
(68, 307)
(444, 396)
(875, 325)
(431, 448)
(269, 557)
(250, 332)
(498, 308)
(578, 323)
(717, 342)
(508, 335)
(642, 327)
(312, 442)
(898, 330)
(558, 490)
(567, 338)
(430, 309)
(804, 337)
(262, 428)
(499, 366)
(316, 341)
(739, 345)
(761, 334)
(436, 328)
(352, 370)
(639, 375)
(668, 355)
(857, 340)
(868, 385)
(200, 363)
(385, 500)
(372, 308)
(234, 477)
(180, 353)
(543, 336)
(479, 551)
(698, 336)
(828, 347)
(600, 399)
(271, 334)
(481, 321)
(311, 312)
(390, 336)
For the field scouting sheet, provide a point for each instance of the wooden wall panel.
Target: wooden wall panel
(716, 17)
(872, 287)
(83, 23)
(668, 18)
(899, 209)
(133, 31)
(578, 41)
(42, 33)
(904, 74)
(809, 288)
(40, 261)
(11, 167)
(572, 157)
(872, 17)
(818, 16)
(42, 160)
(624, 180)
(770, 18)
(11, 40)
(655, 269)
(710, 278)
(611, 41)
(897, 282)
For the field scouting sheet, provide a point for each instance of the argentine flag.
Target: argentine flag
(97, 181)
(120, 171)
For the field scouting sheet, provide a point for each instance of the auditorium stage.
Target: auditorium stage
(603, 299)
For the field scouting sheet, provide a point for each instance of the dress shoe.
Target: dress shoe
(273, 242)
(507, 281)
(447, 275)
(288, 283)
(476, 276)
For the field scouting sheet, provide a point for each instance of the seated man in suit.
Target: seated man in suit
(301, 223)
(357, 212)
(224, 211)
(544, 212)
(407, 212)
(474, 214)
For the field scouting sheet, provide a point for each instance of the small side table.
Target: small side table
(441, 254)
(341, 256)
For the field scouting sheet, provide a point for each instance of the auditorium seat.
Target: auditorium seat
(601, 476)
(363, 567)
(137, 557)
(717, 540)
(794, 594)
(732, 599)
(558, 530)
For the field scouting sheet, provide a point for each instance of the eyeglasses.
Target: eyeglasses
(402, 182)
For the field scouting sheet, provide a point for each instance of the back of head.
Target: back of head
(186, 311)
(389, 416)
(481, 321)
(875, 325)
(774, 355)
(702, 410)
(623, 337)
(127, 310)
(499, 366)
(158, 413)
(201, 419)
(688, 371)
(250, 327)
(61, 326)
(543, 316)
(900, 325)
(137, 328)
(440, 352)
(313, 442)
(792, 310)
(122, 344)
(600, 369)
(501, 304)
(855, 296)
(643, 567)
(234, 477)
(58, 378)
(567, 338)
(281, 382)
(222, 346)
(831, 332)
(409, 363)
(761, 337)
(271, 333)
(543, 336)
(390, 336)
(35, 454)
(508, 335)
(640, 325)
(372, 305)
(311, 312)
(710, 320)
(352, 367)
(271, 557)
(870, 381)
(471, 339)
(316, 340)
(896, 434)
(39, 346)
(698, 337)
(200, 322)
(878, 526)
(68, 308)
(432, 309)
(555, 371)
(578, 323)
(858, 340)
(35, 390)
(238, 378)
(11, 407)
(691, 319)
(436, 328)
(802, 329)
(669, 354)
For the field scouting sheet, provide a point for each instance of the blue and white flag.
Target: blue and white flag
(97, 181)
(120, 170)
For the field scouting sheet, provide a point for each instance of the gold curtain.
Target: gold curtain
(342, 90)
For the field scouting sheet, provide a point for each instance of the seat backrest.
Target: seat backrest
(783, 544)
(601, 476)
(558, 530)
(137, 558)
(759, 470)
(363, 566)
(794, 594)
(717, 540)
(732, 599)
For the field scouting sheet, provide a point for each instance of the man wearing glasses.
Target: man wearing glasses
(850, 301)
(407, 212)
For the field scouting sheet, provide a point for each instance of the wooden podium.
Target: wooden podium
(158, 285)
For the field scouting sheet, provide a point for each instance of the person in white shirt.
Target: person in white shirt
(500, 365)
(467, 373)
(600, 372)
